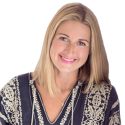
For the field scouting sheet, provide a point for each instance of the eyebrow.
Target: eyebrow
(68, 37)
(63, 34)
(84, 40)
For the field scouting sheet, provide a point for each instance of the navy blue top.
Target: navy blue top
(20, 99)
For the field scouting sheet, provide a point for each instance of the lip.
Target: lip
(67, 60)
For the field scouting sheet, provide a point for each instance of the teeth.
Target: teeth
(69, 60)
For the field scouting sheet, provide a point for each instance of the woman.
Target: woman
(70, 85)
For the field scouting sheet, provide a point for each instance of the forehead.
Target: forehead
(74, 28)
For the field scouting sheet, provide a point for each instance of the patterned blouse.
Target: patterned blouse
(21, 104)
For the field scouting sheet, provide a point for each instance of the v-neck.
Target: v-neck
(59, 116)
(64, 116)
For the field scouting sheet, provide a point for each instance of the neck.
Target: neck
(66, 81)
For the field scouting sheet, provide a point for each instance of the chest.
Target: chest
(87, 109)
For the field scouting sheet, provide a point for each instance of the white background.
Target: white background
(23, 24)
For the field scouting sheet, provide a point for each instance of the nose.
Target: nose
(70, 49)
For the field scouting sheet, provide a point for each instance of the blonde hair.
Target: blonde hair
(95, 70)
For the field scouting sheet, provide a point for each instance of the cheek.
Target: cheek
(84, 54)
(53, 48)
(57, 47)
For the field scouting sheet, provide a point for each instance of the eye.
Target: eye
(82, 43)
(65, 39)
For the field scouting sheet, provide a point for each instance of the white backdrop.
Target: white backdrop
(23, 24)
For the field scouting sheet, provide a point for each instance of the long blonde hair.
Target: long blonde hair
(95, 70)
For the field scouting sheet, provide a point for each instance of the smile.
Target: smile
(67, 60)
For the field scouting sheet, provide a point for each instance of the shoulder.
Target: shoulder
(110, 90)
(104, 90)
(13, 85)
(103, 95)
(101, 89)
(10, 99)
(109, 98)
(100, 100)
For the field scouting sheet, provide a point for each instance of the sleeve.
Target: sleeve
(3, 117)
(114, 116)
(7, 103)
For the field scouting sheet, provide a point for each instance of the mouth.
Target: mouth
(67, 60)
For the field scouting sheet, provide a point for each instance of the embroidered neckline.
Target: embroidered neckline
(67, 111)
(59, 114)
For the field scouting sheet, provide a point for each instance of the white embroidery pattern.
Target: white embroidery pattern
(11, 102)
(95, 105)
(37, 106)
(115, 119)
(115, 104)
(69, 107)
(3, 117)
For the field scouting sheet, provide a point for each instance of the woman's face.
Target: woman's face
(70, 46)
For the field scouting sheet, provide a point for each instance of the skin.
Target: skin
(68, 52)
